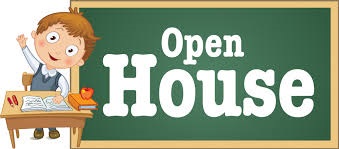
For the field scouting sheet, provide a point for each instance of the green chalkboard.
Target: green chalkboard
(278, 39)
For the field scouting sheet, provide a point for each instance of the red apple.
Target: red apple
(86, 93)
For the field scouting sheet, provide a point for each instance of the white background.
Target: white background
(21, 17)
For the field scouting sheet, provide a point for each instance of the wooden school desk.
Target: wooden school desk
(16, 119)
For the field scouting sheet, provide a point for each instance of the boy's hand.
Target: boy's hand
(22, 40)
(58, 99)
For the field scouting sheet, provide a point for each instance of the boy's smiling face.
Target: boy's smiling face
(57, 49)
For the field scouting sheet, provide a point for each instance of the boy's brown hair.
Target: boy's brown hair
(76, 25)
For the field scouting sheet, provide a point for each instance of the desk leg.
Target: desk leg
(17, 133)
(11, 135)
(79, 136)
(74, 130)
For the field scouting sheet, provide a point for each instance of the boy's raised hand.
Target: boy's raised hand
(22, 40)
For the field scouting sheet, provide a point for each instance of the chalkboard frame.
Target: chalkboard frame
(333, 143)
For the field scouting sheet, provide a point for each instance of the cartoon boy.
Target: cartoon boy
(62, 40)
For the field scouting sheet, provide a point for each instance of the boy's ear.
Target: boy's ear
(33, 34)
(81, 62)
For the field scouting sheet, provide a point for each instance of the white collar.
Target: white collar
(45, 71)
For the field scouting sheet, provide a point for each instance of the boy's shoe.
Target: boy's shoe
(54, 134)
(38, 134)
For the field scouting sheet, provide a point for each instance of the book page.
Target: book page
(51, 106)
(32, 103)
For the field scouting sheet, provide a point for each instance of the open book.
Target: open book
(36, 103)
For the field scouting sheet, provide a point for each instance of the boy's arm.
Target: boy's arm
(63, 84)
(64, 90)
(32, 61)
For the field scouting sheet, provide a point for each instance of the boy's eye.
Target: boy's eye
(52, 37)
(71, 50)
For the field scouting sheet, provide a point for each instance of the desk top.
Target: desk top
(15, 112)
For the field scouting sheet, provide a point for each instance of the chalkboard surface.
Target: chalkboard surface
(278, 39)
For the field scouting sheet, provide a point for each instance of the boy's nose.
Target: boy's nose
(57, 52)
